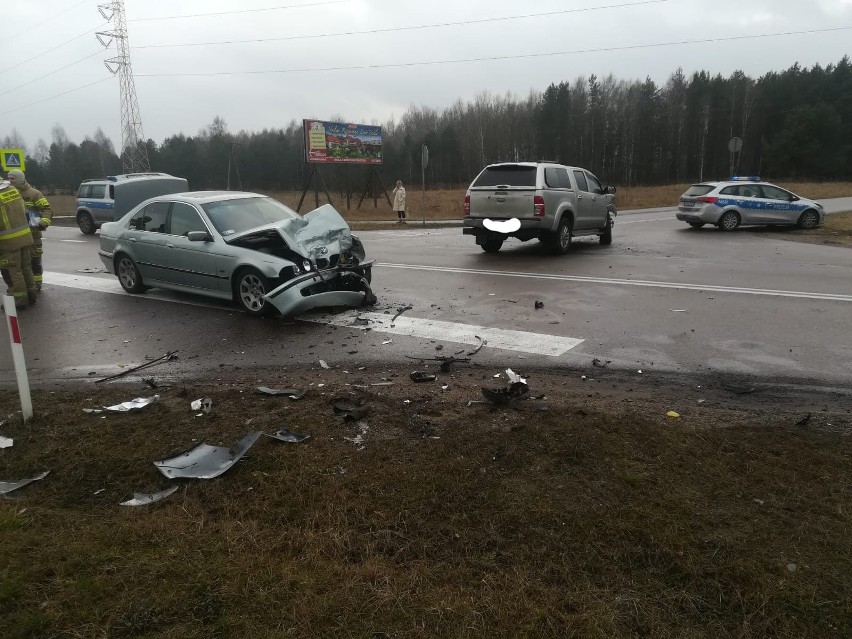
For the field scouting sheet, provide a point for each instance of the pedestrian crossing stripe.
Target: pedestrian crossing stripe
(12, 159)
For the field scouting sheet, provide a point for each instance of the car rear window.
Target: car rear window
(508, 175)
(698, 189)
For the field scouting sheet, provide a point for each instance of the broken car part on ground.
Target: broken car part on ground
(205, 461)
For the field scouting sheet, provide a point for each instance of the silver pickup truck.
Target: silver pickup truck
(537, 200)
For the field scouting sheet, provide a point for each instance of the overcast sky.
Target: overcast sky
(580, 29)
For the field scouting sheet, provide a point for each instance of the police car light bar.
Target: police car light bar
(749, 178)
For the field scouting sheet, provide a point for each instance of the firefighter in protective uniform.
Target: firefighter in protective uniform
(16, 242)
(39, 214)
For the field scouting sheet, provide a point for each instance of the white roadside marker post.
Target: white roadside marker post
(18, 357)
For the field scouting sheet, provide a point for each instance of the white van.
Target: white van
(108, 199)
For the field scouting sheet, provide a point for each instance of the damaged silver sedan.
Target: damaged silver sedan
(237, 246)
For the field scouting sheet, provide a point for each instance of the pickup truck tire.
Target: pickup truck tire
(492, 244)
(560, 241)
(606, 237)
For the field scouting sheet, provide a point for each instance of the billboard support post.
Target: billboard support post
(314, 171)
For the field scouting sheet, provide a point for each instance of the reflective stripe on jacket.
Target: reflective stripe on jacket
(14, 229)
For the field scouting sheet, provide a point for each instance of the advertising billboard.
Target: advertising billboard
(341, 142)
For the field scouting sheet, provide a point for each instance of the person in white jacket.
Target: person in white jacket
(399, 201)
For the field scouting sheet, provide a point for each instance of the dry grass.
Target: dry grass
(597, 518)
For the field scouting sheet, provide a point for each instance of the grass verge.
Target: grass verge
(599, 517)
(836, 231)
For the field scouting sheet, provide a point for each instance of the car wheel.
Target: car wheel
(808, 220)
(696, 225)
(730, 221)
(492, 244)
(249, 288)
(560, 241)
(86, 223)
(128, 275)
(606, 237)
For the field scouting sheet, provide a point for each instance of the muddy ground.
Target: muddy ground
(586, 512)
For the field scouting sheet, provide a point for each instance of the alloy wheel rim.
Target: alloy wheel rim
(251, 292)
(810, 220)
(729, 222)
(126, 273)
(565, 237)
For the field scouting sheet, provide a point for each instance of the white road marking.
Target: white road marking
(523, 341)
(833, 297)
(655, 219)
(109, 284)
(75, 241)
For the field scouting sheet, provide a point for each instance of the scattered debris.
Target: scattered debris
(6, 442)
(90, 269)
(478, 348)
(205, 404)
(171, 355)
(444, 387)
(360, 321)
(420, 376)
(673, 414)
(801, 422)
(358, 440)
(10, 486)
(446, 361)
(351, 412)
(678, 310)
(439, 347)
(292, 393)
(382, 384)
(386, 342)
(143, 499)
(538, 305)
(792, 567)
(125, 407)
(516, 389)
(502, 396)
(600, 364)
(400, 311)
(639, 371)
(285, 435)
(99, 491)
(205, 461)
(759, 502)
(323, 364)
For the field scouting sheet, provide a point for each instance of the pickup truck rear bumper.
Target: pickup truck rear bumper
(530, 229)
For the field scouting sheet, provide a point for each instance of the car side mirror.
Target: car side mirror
(198, 236)
(609, 190)
(793, 198)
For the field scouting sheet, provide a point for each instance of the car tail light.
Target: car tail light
(708, 199)
(467, 205)
(538, 206)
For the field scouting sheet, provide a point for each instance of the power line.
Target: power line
(502, 57)
(28, 30)
(225, 13)
(46, 51)
(41, 77)
(80, 88)
(408, 28)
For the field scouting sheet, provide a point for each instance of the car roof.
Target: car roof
(532, 164)
(204, 197)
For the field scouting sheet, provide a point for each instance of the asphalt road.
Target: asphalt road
(663, 297)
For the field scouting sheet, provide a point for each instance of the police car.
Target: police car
(746, 200)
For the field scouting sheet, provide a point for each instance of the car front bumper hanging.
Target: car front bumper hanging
(339, 286)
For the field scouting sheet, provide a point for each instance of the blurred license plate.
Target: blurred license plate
(687, 203)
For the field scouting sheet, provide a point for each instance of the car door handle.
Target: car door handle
(579, 197)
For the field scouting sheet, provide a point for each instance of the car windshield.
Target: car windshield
(698, 189)
(243, 214)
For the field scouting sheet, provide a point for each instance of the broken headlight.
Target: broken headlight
(288, 273)
(306, 265)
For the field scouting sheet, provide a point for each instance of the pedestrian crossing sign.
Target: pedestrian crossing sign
(12, 159)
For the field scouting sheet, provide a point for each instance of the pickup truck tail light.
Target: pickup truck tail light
(467, 205)
(708, 200)
(538, 206)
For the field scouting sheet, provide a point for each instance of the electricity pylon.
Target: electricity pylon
(134, 153)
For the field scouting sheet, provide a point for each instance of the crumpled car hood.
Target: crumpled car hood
(315, 235)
